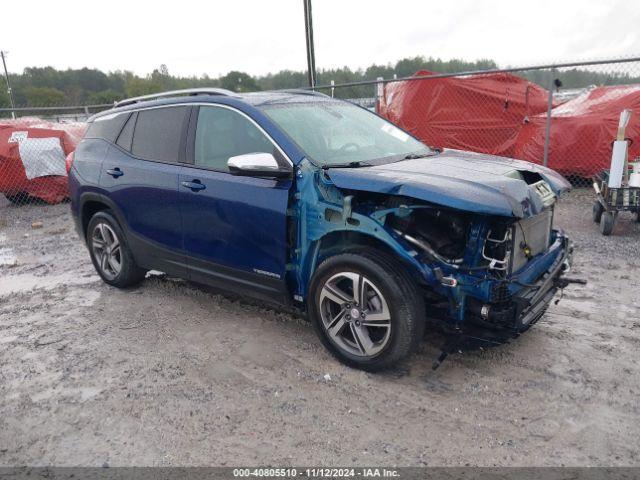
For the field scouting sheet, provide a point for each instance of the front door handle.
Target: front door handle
(115, 172)
(194, 185)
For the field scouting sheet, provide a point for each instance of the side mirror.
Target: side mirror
(257, 165)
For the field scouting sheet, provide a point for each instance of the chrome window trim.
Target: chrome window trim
(110, 116)
(218, 105)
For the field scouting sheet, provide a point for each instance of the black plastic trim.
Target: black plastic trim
(238, 281)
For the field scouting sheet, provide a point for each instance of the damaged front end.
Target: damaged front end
(483, 275)
(492, 274)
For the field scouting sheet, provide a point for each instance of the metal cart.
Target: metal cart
(610, 201)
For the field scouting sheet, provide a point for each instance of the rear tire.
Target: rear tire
(606, 223)
(110, 253)
(598, 209)
(366, 310)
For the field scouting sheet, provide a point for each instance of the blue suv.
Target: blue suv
(317, 204)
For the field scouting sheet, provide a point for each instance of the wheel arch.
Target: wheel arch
(92, 203)
(350, 241)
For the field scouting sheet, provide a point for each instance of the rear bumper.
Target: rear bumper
(528, 304)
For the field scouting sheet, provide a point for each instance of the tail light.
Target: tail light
(69, 162)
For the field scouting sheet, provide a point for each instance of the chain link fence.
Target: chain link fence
(33, 160)
(34, 145)
(564, 116)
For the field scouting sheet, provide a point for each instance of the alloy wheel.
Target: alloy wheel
(355, 314)
(106, 250)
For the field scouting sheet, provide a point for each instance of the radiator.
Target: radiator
(531, 237)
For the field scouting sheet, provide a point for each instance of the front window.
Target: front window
(222, 133)
(339, 133)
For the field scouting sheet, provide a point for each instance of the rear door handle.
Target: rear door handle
(194, 185)
(115, 172)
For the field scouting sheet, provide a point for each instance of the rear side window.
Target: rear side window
(107, 127)
(158, 132)
(222, 133)
(126, 135)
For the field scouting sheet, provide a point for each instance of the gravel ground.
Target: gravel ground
(172, 374)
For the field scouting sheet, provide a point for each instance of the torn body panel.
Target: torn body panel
(321, 210)
(448, 251)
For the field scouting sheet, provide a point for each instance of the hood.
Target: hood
(468, 181)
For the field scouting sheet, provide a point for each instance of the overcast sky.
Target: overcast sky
(258, 37)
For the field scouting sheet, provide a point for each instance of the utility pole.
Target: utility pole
(9, 91)
(311, 57)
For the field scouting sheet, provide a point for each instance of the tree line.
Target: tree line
(47, 86)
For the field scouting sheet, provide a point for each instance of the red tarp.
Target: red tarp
(13, 176)
(481, 113)
(582, 131)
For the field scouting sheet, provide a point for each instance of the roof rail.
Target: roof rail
(175, 93)
(302, 91)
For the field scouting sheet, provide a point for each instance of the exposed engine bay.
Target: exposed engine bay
(444, 232)
(443, 235)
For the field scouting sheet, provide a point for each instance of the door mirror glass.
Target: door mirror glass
(257, 165)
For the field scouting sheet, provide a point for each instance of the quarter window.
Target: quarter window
(126, 135)
(158, 132)
(222, 133)
(107, 127)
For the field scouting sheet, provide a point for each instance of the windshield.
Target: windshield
(338, 133)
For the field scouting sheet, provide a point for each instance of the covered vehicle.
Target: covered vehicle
(582, 130)
(480, 113)
(32, 159)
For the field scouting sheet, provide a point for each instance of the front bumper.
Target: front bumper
(524, 307)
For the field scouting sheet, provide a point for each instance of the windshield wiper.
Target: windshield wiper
(379, 161)
(355, 164)
(413, 156)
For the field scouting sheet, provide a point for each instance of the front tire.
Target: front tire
(597, 211)
(110, 252)
(607, 222)
(366, 310)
